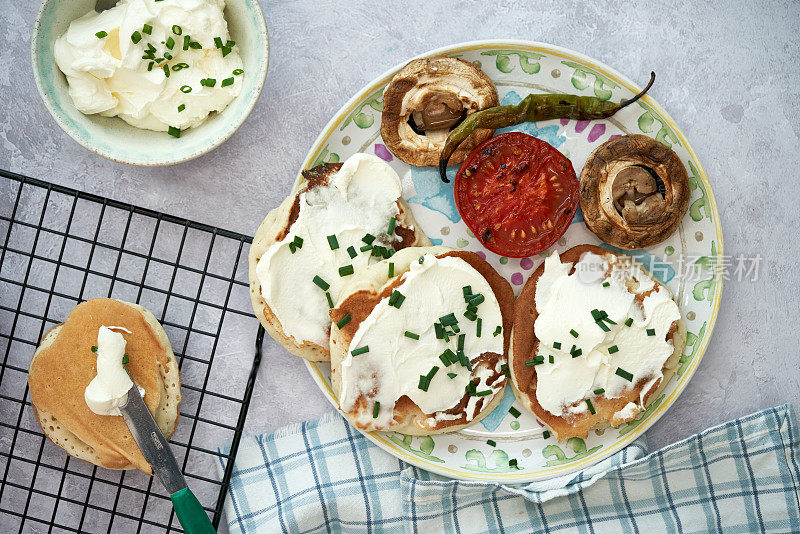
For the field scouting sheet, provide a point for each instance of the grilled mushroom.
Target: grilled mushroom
(634, 191)
(428, 98)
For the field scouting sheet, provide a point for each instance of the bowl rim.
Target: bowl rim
(110, 155)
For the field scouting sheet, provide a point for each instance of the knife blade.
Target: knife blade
(151, 441)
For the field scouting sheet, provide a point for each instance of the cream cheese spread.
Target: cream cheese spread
(159, 65)
(356, 208)
(109, 389)
(572, 309)
(395, 362)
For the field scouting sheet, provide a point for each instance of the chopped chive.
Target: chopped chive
(186, 89)
(505, 370)
(150, 66)
(376, 409)
(512, 462)
(467, 291)
(448, 320)
(514, 412)
(651, 331)
(360, 350)
(461, 339)
(298, 242)
(471, 315)
(396, 299)
(147, 29)
(94, 349)
(180, 66)
(225, 50)
(497, 331)
(352, 252)
(186, 41)
(177, 30)
(606, 284)
(330, 300)
(591, 408)
(392, 223)
(603, 326)
(368, 239)
(343, 321)
(573, 333)
(323, 285)
(366, 248)
(165, 68)
(226, 82)
(491, 442)
(194, 45)
(346, 270)
(432, 372)
(136, 37)
(421, 260)
(423, 383)
(292, 248)
(599, 391)
(483, 393)
(612, 349)
(167, 55)
(101, 34)
(478, 327)
(218, 42)
(546, 434)
(624, 374)
(174, 132)
(391, 269)
(333, 242)
(556, 345)
(237, 72)
(576, 353)
(535, 361)
(439, 331)
(125, 359)
(445, 360)
(208, 82)
(448, 355)
(411, 335)
(629, 321)
(452, 375)
(181, 107)
(475, 300)
(551, 359)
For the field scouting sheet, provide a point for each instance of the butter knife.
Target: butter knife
(156, 451)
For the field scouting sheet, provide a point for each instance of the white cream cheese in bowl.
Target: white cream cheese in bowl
(161, 65)
(109, 389)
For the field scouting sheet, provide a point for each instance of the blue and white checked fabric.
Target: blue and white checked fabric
(743, 476)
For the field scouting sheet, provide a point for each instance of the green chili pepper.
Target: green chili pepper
(533, 108)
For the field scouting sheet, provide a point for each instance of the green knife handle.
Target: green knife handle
(193, 518)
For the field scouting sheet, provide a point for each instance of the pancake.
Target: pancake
(609, 410)
(275, 228)
(64, 364)
(360, 300)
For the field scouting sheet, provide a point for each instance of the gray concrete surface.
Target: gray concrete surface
(728, 75)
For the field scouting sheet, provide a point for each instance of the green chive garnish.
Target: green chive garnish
(612, 349)
(237, 72)
(136, 37)
(323, 285)
(392, 223)
(551, 359)
(514, 412)
(448, 356)
(396, 299)
(186, 41)
(94, 349)
(333, 242)
(591, 408)
(298, 242)
(475, 300)
(226, 82)
(448, 320)
(125, 359)
(352, 252)
(491, 442)
(376, 409)
(150, 66)
(421, 260)
(546, 434)
(497, 331)
(478, 327)
(368, 239)
(461, 339)
(606, 284)
(629, 321)
(452, 375)
(651, 331)
(411, 335)
(423, 383)
(599, 391)
(366, 248)
(101, 34)
(147, 29)
(343, 321)
(574, 333)
(624, 374)
(471, 315)
(360, 350)
(181, 107)
(432, 372)
(505, 370)
(195, 45)
(186, 89)
(174, 132)
(208, 82)
(512, 462)
(330, 300)
(180, 66)
(556, 345)
(218, 42)
(177, 30)
(346, 270)
(467, 291)
(576, 353)
(483, 393)
(165, 68)
(391, 269)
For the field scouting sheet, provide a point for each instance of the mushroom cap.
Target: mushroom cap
(623, 202)
(412, 86)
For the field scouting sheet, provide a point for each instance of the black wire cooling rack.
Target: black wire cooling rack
(62, 246)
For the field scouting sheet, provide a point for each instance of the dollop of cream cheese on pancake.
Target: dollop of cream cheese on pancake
(109, 389)
(564, 303)
(359, 199)
(394, 363)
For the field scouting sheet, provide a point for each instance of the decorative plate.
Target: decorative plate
(687, 262)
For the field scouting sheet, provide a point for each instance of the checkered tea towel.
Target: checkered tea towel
(743, 476)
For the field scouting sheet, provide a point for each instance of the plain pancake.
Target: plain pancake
(277, 225)
(64, 364)
(524, 345)
(364, 293)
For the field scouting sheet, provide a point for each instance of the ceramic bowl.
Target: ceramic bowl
(113, 138)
